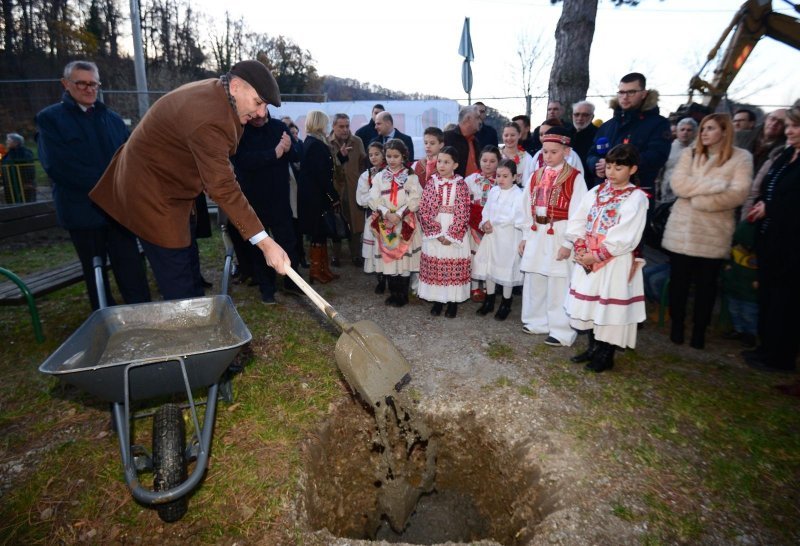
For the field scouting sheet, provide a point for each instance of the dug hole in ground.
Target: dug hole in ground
(506, 473)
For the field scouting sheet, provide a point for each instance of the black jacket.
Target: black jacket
(455, 139)
(402, 136)
(315, 191)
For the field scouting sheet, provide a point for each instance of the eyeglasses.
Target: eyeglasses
(629, 92)
(84, 85)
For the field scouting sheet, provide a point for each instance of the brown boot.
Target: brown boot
(326, 264)
(317, 272)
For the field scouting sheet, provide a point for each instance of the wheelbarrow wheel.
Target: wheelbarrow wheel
(169, 464)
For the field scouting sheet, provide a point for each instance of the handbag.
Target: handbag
(656, 224)
(334, 225)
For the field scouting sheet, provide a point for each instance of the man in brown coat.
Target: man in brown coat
(180, 149)
(349, 154)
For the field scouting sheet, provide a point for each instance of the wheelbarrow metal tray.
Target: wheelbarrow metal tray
(206, 332)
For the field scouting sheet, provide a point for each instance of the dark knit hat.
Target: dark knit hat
(262, 80)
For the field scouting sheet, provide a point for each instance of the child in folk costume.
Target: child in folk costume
(538, 160)
(444, 273)
(433, 139)
(497, 259)
(479, 185)
(514, 151)
(365, 181)
(395, 196)
(553, 194)
(606, 294)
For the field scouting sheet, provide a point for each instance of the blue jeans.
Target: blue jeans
(744, 315)
(654, 277)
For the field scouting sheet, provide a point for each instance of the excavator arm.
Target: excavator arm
(754, 20)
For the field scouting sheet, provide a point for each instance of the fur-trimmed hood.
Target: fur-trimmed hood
(650, 102)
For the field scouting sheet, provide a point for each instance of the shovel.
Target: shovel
(371, 364)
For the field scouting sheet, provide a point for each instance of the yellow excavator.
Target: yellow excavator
(754, 20)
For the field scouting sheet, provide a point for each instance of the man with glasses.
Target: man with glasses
(636, 121)
(585, 130)
(486, 135)
(77, 139)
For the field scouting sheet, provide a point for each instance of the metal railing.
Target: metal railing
(19, 182)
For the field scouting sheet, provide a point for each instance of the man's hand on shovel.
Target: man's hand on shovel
(274, 255)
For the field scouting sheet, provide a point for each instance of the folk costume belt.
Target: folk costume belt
(543, 219)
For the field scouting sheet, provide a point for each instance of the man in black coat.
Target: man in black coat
(261, 164)
(487, 135)
(367, 133)
(585, 130)
(384, 124)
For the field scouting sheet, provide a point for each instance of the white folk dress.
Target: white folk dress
(367, 238)
(444, 274)
(397, 249)
(610, 223)
(524, 162)
(497, 258)
(479, 186)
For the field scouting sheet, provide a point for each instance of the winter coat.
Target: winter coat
(181, 147)
(75, 148)
(315, 191)
(702, 221)
(264, 177)
(348, 169)
(645, 129)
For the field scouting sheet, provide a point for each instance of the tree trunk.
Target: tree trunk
(569, 77)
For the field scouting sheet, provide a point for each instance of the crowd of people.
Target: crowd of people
(561, 215)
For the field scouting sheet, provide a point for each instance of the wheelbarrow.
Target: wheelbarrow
(149, 350)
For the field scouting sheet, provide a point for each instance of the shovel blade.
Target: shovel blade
(370, 362)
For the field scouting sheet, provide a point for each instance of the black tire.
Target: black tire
(169, 464)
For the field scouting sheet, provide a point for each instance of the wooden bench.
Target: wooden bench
(18, 220)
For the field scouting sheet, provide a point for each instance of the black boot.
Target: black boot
(381, 286)
(394, 296)
(698, 340)
(436, 310)
(452, 309)
(487, 306)
(505, 309)
(676, 332)
(603, 358)
(401, 291)
(586, 356)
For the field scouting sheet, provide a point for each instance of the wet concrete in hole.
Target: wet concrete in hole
(483, 489)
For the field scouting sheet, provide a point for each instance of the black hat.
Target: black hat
(262, 80)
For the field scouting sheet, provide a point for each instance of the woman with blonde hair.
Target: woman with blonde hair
(710, 181)
(316, 194)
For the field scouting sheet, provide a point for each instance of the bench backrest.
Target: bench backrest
(21, 219)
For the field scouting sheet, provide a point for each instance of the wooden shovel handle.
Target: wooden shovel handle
(315, 298)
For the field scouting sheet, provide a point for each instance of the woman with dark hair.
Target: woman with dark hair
(316, 194)
(710, 181)
(776, 213)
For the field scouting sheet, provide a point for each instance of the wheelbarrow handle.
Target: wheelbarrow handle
(317, 300)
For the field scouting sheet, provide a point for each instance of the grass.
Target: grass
(701, 435)
(74, 463)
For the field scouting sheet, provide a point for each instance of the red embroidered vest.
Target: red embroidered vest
(560, 192)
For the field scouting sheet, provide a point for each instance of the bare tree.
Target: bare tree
(227, 45)
(534, 54)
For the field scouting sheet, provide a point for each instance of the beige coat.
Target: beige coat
(702, 222)
(346, 185)
(179, 149)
